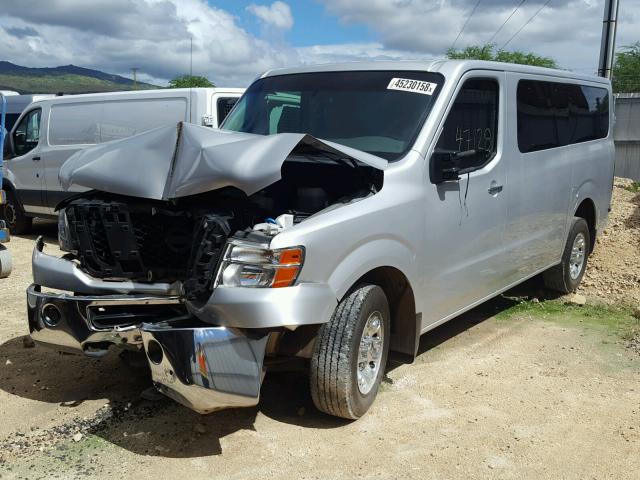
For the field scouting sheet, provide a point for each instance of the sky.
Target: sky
(236, 40)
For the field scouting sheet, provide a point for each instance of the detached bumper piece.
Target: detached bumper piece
(206, 369)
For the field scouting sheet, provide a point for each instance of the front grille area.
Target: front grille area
(142, 242)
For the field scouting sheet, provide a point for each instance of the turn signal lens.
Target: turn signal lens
(285, 276)
(290, 256)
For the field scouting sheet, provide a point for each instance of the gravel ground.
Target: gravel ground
(517, 396)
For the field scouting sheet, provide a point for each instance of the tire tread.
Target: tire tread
(330, 367)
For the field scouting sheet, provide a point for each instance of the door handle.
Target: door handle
(494, 189)
(36, 158)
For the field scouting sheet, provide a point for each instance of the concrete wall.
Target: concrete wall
(626, 134)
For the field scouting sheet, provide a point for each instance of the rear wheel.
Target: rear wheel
(350, 354)
(566, 276)
(14, 216)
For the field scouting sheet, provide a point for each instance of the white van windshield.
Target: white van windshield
(379, 112)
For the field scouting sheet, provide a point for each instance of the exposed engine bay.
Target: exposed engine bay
(116, 237)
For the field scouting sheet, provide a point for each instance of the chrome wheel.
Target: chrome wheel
(370, 352)
(576, 261)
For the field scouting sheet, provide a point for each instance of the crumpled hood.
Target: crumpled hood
(178, 161)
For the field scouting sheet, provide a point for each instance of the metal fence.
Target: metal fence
(626, 135)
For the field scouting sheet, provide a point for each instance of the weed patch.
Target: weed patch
(613, 319)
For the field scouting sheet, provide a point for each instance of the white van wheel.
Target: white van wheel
(566, 276)
(5, 262)
(350, 354)
(14, 216)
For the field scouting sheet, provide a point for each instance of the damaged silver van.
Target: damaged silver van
(341, 212)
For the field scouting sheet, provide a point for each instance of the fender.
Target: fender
(367, 257)
(584, 191)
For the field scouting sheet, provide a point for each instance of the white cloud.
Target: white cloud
(567, 30)
(154, 35)
(277, 15)
(354, 52)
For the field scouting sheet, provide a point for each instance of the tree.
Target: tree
(190, 81)
(626, 70)
(489, 52)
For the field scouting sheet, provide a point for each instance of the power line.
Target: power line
(504, 23)
(527, 23)
(465, 23)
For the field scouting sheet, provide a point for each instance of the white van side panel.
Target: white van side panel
(87, 123)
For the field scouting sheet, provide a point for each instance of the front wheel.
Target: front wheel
(350, 354)
(566, 276)
(14, 216)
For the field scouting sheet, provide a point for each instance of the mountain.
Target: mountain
(66, 79)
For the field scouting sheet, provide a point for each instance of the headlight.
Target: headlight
(64, 233)
(251, 265)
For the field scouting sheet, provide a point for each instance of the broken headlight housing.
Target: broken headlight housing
(257, 266)
(64, 233)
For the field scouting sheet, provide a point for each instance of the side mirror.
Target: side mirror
(448, 165)
(7, 147)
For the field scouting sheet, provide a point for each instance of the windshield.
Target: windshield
(379, 112)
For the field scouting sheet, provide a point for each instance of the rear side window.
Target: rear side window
(552, 114)
(98, 122)
(224, 106)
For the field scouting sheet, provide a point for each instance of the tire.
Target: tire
(566, 276)
(5, 262)
(14, 216)
(334, 363)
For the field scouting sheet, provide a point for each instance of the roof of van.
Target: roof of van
(446, 67)
(140, 94)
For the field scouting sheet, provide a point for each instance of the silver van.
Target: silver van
(341, 212)
(49, 131)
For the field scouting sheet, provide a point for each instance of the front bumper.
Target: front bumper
(207, 357)
(203, 368)
(73, 323)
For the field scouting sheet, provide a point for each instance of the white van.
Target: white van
(16, 104)
(49, 131)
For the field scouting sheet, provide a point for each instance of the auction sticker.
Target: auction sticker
(415, 86)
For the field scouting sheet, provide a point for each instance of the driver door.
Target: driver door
(26, 167)
(466, 212)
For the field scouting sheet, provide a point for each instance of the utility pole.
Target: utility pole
(135, 80)
(608, 42)
(191, 57)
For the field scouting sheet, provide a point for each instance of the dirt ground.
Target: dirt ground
(614, 267)
(500, 392)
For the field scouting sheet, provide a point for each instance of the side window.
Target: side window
(590, 109)
(224, 107)
(552, 114)
(27, 133)
(468, 138)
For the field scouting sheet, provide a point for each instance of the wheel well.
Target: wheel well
(587, 210)
(405, 324)
(6, 185)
